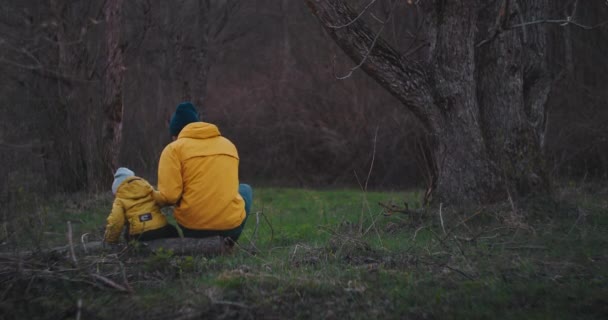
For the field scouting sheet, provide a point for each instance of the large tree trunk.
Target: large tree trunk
(479, 94)
(113, 108)
(465, 173)
(513, 84)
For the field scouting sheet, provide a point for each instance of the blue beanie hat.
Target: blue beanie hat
(183, 115)
(120, 176)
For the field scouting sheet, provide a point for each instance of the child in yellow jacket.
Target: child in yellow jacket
(135, 207)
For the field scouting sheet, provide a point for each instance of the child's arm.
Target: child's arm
(116, 220)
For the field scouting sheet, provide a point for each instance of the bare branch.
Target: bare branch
(354, 19)
(409, 81)
(561, 22)
(353, 69)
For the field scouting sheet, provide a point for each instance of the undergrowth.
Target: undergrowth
(323, 255)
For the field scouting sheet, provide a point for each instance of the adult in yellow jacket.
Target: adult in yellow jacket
(135, 207)
(198, 174)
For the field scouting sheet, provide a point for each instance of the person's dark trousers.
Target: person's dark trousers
(168, 231)
(247, 193)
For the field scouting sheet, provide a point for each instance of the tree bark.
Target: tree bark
(113, 107)
(64, 156)
(191, 45)
(513, 86)
(476, 94)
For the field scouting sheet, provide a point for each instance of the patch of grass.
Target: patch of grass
(332, 254)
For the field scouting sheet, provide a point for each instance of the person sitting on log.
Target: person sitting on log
(135, 207)
(198, 174)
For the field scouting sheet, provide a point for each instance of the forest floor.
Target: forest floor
(323, 254)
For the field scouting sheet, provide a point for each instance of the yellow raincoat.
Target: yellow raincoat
(198, 173)
(135, 206)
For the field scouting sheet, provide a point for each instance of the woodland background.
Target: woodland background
(267, 74)
(88, 85)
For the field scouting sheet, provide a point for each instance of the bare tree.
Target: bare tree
(481, 92)
(113, 107)
(61, 83)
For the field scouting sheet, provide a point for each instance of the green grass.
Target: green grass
(328, 254)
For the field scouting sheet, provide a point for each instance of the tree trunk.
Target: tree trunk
(477, 94)
(513, 86)
(191, 45)
(201, 62)
(64, 156)
(113, 97)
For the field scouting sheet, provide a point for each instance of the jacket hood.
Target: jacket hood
(120, 176)
(199, 130)
(134, 188)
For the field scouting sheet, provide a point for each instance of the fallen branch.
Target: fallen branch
(230, 304)
(110, 283)
(530, 247)
(210, 246)
(393, 208)
(460, 272)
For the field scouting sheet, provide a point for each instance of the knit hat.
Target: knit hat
(120, 176)
(183, 115)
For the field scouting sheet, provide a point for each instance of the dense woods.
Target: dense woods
(89, 85)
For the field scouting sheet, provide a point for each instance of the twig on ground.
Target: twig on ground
(110, 283)
(254, 236)
(371, 166)
(257, 226)
(230, 303)
(71, 243)
(581, 215)
(512, 203)
(373, 225)
(392, 208)
(441, 240)
(460, 272)
(295, 249)
(445, 265)
(83, 241)
(78, 308)
(269, 225)
(365, 204)
(441, 218)
(463, 222)
(124, 276)
(444, 243)
(530, 247)
(416, 232)
(466, 219)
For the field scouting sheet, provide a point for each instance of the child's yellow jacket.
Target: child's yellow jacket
(134, 205)
(199, 174)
